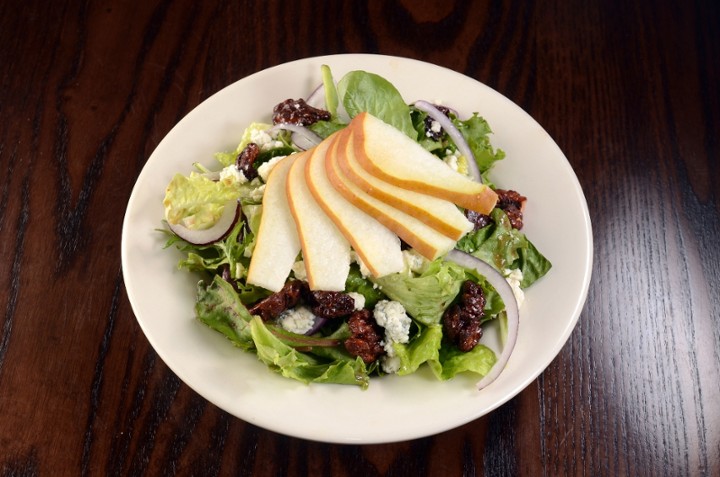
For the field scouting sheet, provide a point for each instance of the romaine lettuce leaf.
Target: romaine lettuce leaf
(195, 201)
(532, 263)
(425, 296)
(445, 360)
(249, 135)
(421, 349)
(452, 361)
(291, 363)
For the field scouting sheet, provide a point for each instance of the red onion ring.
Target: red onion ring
(454, 134)
(495, 279)
(230, 215)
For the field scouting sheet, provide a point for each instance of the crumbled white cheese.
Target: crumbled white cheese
(434, 128)
(514, 278)
(299, 270)
(297, 320)
(265, 168)
(359, 300)
(257, 193)
(232, 175)
(452, 162)
(364, 270)
(414, 262)
(261, 138)
(390, 362)
(391, 315)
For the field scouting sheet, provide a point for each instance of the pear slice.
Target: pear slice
(440, 214)
(277, 244)
(325, 250)
(376, 245)
(427, 241)
(390, 155)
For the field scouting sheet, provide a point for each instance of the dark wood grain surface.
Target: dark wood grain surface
(629, 91)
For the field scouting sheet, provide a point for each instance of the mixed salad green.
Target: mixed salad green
(415, 299)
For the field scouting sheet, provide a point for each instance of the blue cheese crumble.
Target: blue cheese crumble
(414, 262)
(265, 168)
(260, 136)
(392, 317)
(297, 320)
(359, 300)
(232, 175)
(514, 278)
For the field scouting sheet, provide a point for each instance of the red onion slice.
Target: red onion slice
(230, 215)
(454, 134)
(302, 137)
(495, 279)
(317, 97)
(317, 324)
(317, 100)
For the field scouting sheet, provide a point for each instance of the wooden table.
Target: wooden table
(628, 90)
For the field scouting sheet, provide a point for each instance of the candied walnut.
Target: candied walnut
(477, 219)
(297, 111)
(330, 304)
(512, 203)
(461, 322)
(245, 160)
(272, 306)
(366, 338)
(432, 130)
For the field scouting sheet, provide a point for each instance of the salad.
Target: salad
(427, 309)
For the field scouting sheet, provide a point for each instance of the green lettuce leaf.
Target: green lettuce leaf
(476, 132)
(504, 248)
(220, 308)
(452, 362)
(355, 282)
(325, 129)
(331, 95)
(303, 367)
(196, 201)
(228, 158)
(425, 296)
(421, 349)
(533, 264)
(362, 91)
(229, 255)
